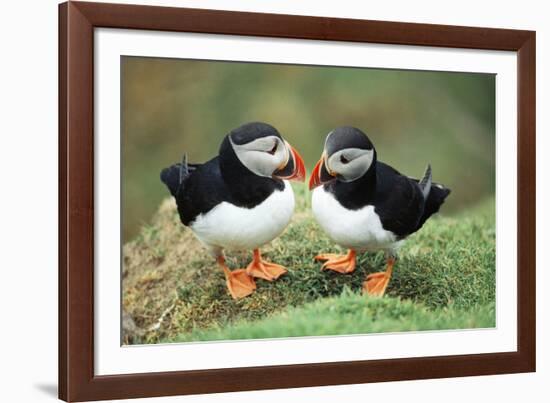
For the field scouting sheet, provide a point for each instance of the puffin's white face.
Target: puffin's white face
(349, 164)
(264, 155)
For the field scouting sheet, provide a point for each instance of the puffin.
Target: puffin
(239, 200)
(366, 205)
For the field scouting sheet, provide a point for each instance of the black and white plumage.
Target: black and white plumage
(364, 204)
(241, 199)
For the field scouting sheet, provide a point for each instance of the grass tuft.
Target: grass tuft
(444, 279)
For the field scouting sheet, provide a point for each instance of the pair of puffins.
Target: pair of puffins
(241, 200)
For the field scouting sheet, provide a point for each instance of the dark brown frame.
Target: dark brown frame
(77, 21)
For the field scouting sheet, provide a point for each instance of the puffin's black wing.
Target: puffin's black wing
(436, 197)
(435, 194)
(174, 177)
(399, 201)
(197, 188)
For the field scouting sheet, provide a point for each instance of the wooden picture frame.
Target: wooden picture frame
(77, 21)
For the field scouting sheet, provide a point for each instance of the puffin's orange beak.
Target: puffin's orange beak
(300, 168)
(294, 169)
(320, 174)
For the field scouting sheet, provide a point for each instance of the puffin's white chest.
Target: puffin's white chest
(355, 229)
(227, 226)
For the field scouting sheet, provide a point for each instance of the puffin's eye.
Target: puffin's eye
(274, 149)
(343, 159)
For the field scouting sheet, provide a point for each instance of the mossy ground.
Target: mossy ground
(444, 279)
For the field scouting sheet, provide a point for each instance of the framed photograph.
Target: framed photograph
(255, 201)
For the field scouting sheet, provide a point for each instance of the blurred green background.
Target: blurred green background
(172, 106)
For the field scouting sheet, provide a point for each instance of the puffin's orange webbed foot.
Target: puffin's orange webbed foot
(376, 283)
(340, 263)
(261, 269)
(239, 283)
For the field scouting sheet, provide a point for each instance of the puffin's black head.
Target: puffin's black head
(347, 156)
(262, 150)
